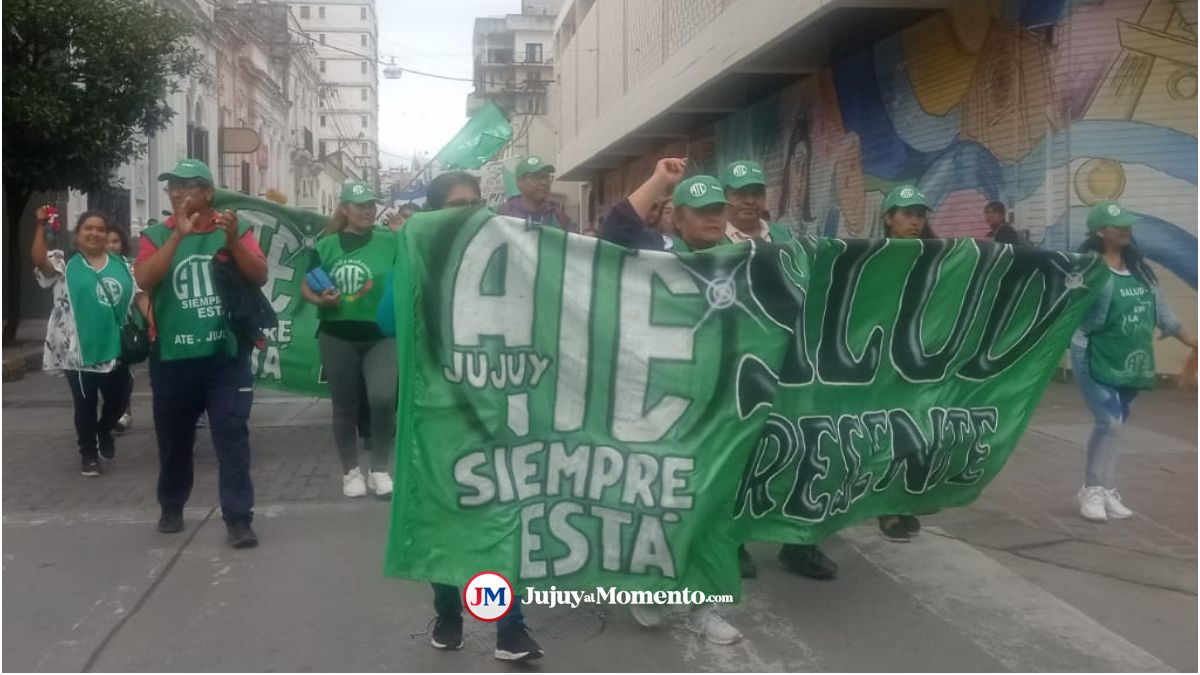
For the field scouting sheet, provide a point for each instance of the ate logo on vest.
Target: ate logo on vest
(192, 284)
(108, 291)
(353, 279)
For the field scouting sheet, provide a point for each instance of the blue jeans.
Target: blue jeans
(1110, 410)
(183, 389)
(447, 601)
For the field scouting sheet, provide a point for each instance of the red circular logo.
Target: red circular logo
(488, 596)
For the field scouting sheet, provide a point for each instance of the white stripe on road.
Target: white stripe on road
(1011, 619)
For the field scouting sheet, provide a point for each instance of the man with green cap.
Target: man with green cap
(534, 177)
(197, 363)
(746, 191)
(358, 360)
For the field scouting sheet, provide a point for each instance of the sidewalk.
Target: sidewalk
(26, 354)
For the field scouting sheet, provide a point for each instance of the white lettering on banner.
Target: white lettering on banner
(574, 345)
(283, 242)
(640, 342)
(508, 315)
(632, 537)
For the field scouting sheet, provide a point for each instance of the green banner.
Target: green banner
(287, 236)
(579, 414)
(478, 141)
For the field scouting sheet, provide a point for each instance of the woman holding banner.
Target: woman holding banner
(905, 216)
(699, 213)
(346, 284)
(1112, 353)
(94, 293)
(458, 189)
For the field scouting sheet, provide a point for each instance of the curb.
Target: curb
(15, 367)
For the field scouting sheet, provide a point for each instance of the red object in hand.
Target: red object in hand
(52, 221)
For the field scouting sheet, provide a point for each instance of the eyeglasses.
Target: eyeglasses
(187, 184)
(540, 177)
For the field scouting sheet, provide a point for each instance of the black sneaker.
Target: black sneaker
(240, 534)
(90, 466)
(911, 525)
(170, 522)
(108, 447)
(514, 643)
(746, 564)
(447, 632)
(807, 560)
(892, 528)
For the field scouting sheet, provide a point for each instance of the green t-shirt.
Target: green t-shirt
(358, 264)
(1121, 352)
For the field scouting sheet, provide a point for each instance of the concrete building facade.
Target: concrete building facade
(345, 35)
(514, 68)
(1047, 105)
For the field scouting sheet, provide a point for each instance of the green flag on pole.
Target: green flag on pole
(480, 138)
(579, 414)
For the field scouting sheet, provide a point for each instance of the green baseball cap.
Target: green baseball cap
(357, 192)
(532, 164)
(188, 168)
(743, 173)
(700, 191)
(905, 195)
(1109, 214)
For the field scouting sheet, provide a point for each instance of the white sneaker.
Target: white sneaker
(1114, 507)
(123, 423)
(705, 621)
(648, 616)
(380, 483)
(1091, 503)
(352, 483)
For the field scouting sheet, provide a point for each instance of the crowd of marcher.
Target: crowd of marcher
(180, 281)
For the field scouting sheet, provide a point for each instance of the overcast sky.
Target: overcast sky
(418, 113)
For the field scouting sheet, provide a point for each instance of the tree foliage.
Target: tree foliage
(83, 79)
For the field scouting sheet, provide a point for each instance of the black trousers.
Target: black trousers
(87, 390)
(223, 387)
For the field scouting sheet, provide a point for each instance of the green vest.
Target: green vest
(1121, 353)
(100, 302)
(188, 314)
(359, 275)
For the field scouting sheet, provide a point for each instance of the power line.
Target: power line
(380, 63)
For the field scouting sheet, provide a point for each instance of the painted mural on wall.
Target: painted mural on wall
(1047, 105)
